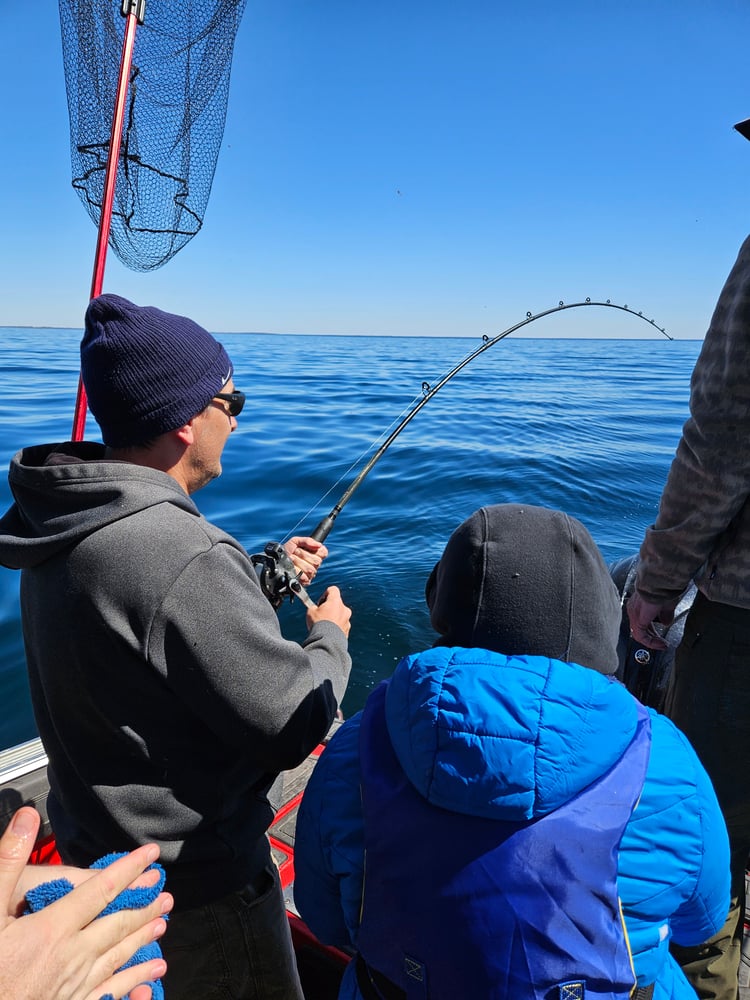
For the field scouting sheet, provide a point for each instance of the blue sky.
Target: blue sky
(419, 167)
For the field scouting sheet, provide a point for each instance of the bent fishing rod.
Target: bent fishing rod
(278, 576)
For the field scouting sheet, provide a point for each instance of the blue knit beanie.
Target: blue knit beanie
(145, 371)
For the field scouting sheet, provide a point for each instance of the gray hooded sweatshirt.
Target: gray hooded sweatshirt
(165, 695)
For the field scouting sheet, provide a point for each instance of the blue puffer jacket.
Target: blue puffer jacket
(543, 730)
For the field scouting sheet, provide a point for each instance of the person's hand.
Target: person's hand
(35, 875)
(644, 615)
(307, 555)
(331, 608)
(64, 952)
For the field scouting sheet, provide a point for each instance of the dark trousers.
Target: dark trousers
(711, 705)
(238, 948)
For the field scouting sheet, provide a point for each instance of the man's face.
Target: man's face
(212, 428)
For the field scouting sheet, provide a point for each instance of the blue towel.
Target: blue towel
(129, 899)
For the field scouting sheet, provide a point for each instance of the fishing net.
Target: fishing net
(174, 116)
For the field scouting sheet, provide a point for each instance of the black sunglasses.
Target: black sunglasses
(235, 401)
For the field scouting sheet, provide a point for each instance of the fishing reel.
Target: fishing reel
(278, 577)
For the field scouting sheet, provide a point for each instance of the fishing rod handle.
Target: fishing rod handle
(324, 528)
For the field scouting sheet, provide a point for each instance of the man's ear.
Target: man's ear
(185, 434)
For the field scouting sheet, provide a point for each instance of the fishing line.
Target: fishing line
(354, 464)
(278, 577)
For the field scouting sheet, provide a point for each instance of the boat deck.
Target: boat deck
(320, 967)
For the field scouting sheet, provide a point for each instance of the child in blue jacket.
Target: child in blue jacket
(504, 819)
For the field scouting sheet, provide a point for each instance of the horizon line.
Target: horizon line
(412, 336)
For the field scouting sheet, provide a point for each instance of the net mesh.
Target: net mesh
(174, 116)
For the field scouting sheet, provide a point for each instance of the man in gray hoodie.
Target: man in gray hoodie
(165, 695)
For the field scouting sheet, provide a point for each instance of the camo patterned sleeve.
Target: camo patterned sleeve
(702, 530)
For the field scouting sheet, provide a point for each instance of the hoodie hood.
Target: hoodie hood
(64, 492)
(502, 737)
(526, 580)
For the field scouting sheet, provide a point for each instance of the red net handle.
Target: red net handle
(133, 10)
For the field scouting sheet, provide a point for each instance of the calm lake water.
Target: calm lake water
(588, 426)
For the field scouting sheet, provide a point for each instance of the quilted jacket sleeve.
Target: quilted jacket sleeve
(673, 867)
(329, 842)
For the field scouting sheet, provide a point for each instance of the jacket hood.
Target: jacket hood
(64, 492)
(526, 580)
(503, 737)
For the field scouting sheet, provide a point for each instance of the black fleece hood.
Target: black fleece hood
(526, 580)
